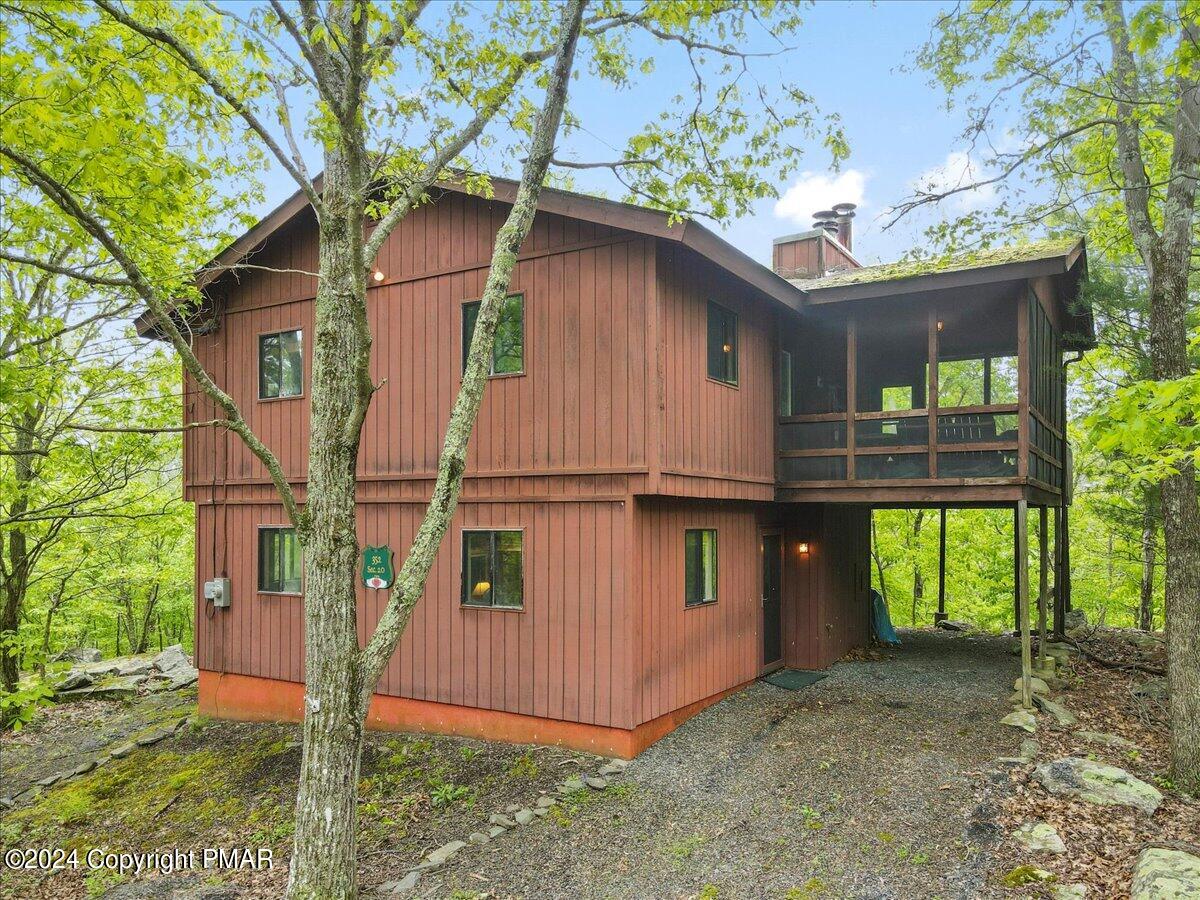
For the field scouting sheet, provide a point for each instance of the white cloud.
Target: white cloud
(815, 191)
(959, 170)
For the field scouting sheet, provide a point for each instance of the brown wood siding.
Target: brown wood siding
(835, 259)
(825, 590)
(688, 654)
(567, 655)
(581, 404)
(796, 259)
(709, 428)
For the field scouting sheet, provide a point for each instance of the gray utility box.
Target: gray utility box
(218, 592)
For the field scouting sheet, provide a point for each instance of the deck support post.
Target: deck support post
(940, 615)
(1066, 561)
(1043, 581)
(1021, 551)
(1016, 578)
(1059, 611)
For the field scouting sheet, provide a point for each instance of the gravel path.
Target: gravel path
(862, 786)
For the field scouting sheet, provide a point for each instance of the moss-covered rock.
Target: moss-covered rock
(1164, 874)
(1097, 783)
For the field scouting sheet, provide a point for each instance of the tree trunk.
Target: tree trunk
(17, 567)
(1168, 260)
(1181, 531)
(1149, 541)
(324, 862)
(878, 559)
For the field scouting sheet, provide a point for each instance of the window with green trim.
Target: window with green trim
(699, 566)
(722, 344)
(278, 561)
(280, 365)
(492, 569)
(508, 348)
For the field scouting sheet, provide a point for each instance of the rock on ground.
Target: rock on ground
(79, 655)
(953, 625)
(1036, 685)
(171, 659)
(1063, 716)
(1039, 836)
(1097, 783)
(1163, 874)
(1021, 718)
(1104, 739)
(1072, 891)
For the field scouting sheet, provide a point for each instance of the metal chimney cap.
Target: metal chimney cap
(824, 214)
(845, 209)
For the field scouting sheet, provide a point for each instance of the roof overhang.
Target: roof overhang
(1068, 268)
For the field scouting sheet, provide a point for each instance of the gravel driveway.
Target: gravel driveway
(862, 785)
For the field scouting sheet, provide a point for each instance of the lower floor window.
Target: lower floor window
(278, 561)
(492, 569)
(699, 566)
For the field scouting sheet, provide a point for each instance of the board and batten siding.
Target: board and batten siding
(712, 430)
(580, 406)
(687, 654)
(826, 591)
(566, 655)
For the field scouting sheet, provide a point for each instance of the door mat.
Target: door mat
(794, 679)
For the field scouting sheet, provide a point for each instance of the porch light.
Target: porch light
(802, 547)
(377, 275)
(481, 588)
(941, 325)
(726, 348)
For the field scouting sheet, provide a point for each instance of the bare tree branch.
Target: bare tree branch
(56, 269)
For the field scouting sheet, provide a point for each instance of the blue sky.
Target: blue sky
(848, 56)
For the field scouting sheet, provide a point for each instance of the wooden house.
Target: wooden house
(670, 481)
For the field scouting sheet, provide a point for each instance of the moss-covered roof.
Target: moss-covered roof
(1029, 251)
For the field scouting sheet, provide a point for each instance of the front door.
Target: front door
(772, 597)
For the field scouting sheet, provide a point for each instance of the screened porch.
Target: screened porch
(951, 395)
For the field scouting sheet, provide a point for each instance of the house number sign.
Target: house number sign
(377, 571)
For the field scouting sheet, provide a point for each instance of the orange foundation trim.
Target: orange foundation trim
(248, 698)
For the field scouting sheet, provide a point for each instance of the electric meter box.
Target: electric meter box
(218, 592)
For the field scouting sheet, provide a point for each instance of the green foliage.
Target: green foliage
(448, 793)
(524, 766)
(1105, 562)
(17, 708)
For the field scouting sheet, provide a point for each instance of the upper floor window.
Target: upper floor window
(508, 348)
(278, 561)
(492, 570)
(280, 365)
(699, 566)
(722, 344)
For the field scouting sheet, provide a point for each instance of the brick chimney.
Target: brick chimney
(820, 251)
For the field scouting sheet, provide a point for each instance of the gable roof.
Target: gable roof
(626, 216)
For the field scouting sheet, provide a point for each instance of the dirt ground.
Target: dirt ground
(881, 781)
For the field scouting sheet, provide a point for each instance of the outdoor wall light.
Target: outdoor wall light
(377, 275)
(802, 547)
